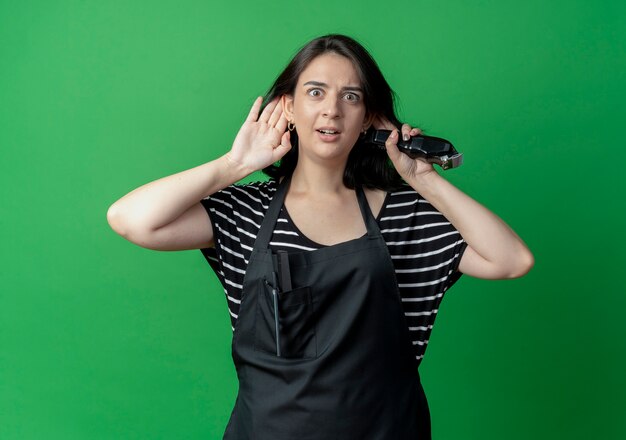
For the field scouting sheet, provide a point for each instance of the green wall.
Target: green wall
(102, 339)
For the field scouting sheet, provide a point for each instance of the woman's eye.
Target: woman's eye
(349, 96)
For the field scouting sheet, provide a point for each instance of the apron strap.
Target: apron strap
(271, 216)
(368, 217)
(267, 226)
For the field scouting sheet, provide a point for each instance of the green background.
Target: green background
(102, 339)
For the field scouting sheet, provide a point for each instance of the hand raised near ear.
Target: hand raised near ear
(410, 169)
(407, 167)
(262, 139)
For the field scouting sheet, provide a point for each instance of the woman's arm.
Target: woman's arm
(494, 250)
(166, 214)
(161, 215)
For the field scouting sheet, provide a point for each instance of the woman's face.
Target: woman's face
(328, 96)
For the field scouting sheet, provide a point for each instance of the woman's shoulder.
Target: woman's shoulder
(406, 200)
(404, 189)
(260, 191)
(403, 194)
(254, 189)
(251, 196)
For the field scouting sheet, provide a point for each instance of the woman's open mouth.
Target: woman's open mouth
(328, 135)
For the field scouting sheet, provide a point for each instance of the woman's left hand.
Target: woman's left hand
(409, 169)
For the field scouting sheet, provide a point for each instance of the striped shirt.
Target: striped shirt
(425, 248)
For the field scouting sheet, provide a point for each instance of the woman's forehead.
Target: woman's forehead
(331, 69)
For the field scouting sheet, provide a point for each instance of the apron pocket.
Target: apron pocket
(296, 323)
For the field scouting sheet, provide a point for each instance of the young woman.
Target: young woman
(333, 269)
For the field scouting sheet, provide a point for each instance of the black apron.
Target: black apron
(346, 367)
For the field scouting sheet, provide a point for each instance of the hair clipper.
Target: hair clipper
(432, 149)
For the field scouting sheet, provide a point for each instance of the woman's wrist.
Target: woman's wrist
(427, 184)
(234, 168)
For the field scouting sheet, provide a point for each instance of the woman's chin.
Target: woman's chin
(326, 151)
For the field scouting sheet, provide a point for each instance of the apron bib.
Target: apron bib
(346, 368)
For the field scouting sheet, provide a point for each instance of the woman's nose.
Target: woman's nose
(332, 109)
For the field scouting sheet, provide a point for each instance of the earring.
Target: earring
(291, 126)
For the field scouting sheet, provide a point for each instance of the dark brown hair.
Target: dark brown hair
(367, 164)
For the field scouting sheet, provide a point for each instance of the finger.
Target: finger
(282, 148)
(275, 116)
(416, 131)
(267, 111)
(285, 140)
(281, 125)
(390, 144)
(406, 130)
(393, 137)
(254, 111)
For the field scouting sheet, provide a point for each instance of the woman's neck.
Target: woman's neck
(314, 178)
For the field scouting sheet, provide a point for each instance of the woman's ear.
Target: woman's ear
(287, 104)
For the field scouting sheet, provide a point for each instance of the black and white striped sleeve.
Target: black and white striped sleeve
(425, 247)
(236, 213)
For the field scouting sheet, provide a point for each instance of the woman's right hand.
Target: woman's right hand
(261, 140)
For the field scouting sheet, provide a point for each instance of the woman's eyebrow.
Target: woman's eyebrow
(317, 83)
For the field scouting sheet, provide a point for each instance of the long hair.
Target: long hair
(367, 164)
